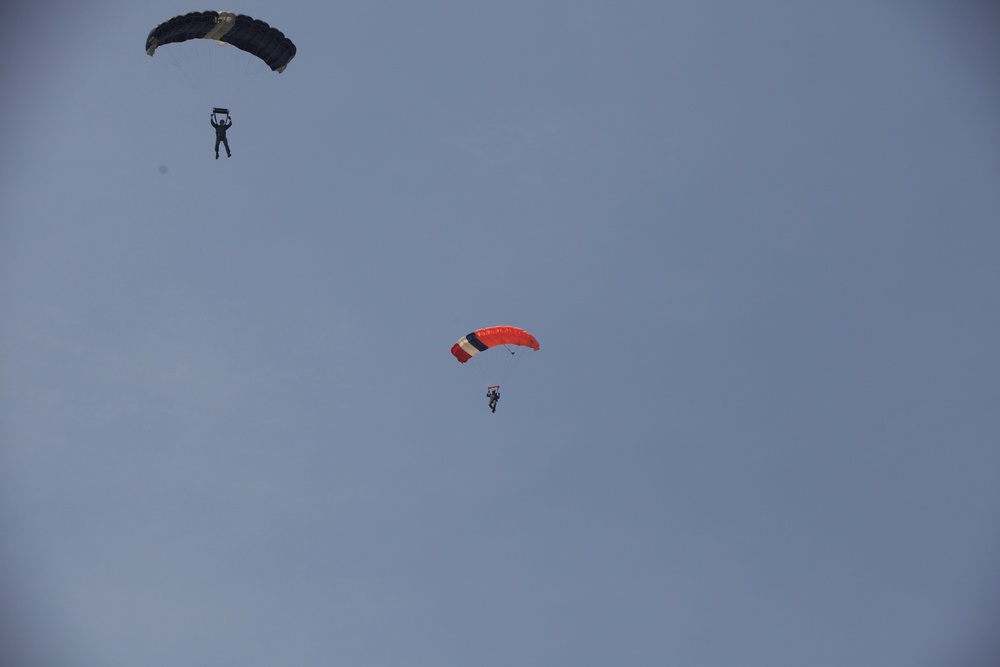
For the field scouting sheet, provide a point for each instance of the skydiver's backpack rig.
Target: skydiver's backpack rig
(219, 111)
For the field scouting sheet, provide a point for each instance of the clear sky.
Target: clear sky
(757, 240)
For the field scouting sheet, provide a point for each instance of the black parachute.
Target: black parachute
(244, 32)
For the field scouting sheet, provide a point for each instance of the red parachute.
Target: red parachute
(503, 348)
(481, 340)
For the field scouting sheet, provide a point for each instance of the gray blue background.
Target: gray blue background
(758, 242)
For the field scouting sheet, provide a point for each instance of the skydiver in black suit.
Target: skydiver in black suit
(220, 134)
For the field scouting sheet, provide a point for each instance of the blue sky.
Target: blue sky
(757, 241)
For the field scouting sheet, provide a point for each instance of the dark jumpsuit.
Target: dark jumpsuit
(220, 135)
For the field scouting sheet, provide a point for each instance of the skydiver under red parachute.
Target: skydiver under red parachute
(503, 346)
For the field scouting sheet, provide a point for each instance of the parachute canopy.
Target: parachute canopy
(245, 33)
(481, 340)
